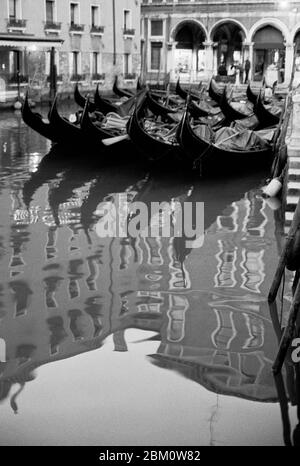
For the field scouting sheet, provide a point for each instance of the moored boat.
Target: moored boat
(120, 92)
(226, 149)
(265, 117)
(36, 122)
(154, 149)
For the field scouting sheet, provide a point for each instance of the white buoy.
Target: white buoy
(72, 118)
(273, 188)
(17, 105)
(273, 202)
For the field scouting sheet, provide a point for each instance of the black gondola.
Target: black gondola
(159, 109)
(80, 99)
(250, 95)
(155, 150)
(106, 106)
(35, 121)
(214, 92)
(196, 111)
(230, 113)
(67, 132)
(212, 156)
(94, 135)
(264, 116)
(120, 92)
(183, 93)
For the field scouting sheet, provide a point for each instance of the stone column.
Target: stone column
(170, 60)
(293, 140)
(209, 58)
(289, 58)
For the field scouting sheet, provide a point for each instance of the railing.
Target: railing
(98, 76)
(78, 77)
(97, 29)
(76, 27)
(129, 75)
(16, 23)
(52, 25)
(58, 78)
(128, 32)
(16, 77)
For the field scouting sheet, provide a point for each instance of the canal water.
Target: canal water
(133, 340)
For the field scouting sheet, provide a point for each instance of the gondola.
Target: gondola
(159, 109)
(264, 116)
(230, 113)
(80, 99)
(155, 150)
(120, 92)
(35, 121)
(94, 134)
(183, 93)
(196, 111)
(214, 92)
(212, 156)
(67, 132)
(250, 95)
(106, 106)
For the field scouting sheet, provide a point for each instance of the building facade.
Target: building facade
(94, 40)
(190, 39)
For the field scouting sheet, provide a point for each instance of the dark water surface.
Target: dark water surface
(132, 341)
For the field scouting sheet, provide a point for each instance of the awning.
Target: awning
(28, 42)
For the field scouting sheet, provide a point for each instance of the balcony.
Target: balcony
(16, 78)
(78, 77)
(52, 27)
(128, 32)
(59, 78)
(97, 30)
(129, 76)
(76, 28)
(98, 77)
(14, 24)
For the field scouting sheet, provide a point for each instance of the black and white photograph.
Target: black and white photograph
(150, 227)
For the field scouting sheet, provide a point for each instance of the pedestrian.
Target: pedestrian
(247, 67)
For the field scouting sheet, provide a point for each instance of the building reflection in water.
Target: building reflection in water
(67, 290)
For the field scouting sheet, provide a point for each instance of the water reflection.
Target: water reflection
(65, 290)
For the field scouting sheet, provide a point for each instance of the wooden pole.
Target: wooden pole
(282, 261)
(288, 331)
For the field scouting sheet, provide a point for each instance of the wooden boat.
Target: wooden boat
(120, 92)
(67, 132)
(152, 148)
(196, 111)
(183, 93)
(214, 157)
(106, 105)
(230, 113)
(264, 116)
(35, 121)
(214, 92)
(80, 99)
(250, 95)
(159, 109)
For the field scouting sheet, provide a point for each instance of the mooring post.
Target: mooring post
(282, 261)
(288, 331)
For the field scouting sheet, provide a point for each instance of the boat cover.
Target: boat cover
(245, 140)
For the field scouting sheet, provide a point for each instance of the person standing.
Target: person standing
(247, 67)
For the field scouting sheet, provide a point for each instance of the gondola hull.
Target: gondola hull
(215, 160)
